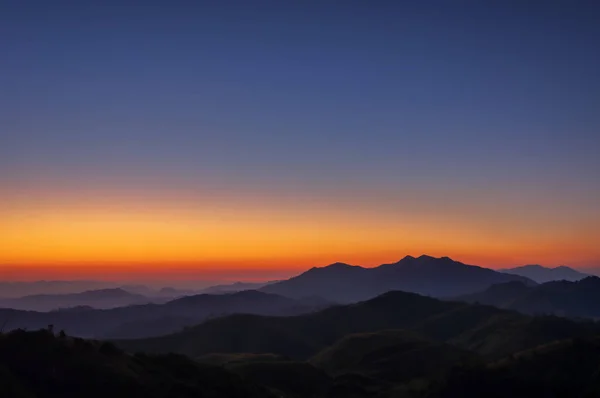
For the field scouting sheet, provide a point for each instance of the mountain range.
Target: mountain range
(436, 277)
(398, 345)
(487, 330)
(542, 274)
(258, 344)
(155, 319)
(101, 299)
(562, 298)
(235, 287)
(18, 289)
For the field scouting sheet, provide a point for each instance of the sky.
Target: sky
(251, 140)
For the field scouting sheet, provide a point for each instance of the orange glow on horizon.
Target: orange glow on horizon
(161, 237)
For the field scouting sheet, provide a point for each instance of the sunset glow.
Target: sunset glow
(212, 140)
(153, 235)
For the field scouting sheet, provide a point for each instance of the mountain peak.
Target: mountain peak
(426, 257)
(533, 266)
(440, 277)
(338, 265)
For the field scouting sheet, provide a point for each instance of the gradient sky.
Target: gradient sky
(252, 139)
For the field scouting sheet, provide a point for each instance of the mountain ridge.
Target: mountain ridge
(105, 298)
(486, 330)
(147, 319)
(578, 299)
(541, 274)
(437, 277)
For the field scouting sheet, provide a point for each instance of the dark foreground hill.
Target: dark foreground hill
(40, 365)
(155, 319)
(486, 330)
(436, 277)
(563, 369)
(561, 298)
(401, 364)
(391, 355)
(455, 350)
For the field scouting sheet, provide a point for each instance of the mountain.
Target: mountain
(41, 365)
(436, 277)
(104, 298)
(154, 319)
(562, 298)
(488, 331)
(541, 274)
(235, 287)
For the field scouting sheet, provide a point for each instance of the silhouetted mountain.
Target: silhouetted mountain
(154, 319)
(102, 299)
(40, 365)
(541, 274)
(235, 287)
(562, 298)
(437, 277)
(486, 330)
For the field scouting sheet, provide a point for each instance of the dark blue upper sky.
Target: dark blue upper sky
(359, 95)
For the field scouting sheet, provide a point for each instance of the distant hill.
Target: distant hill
(486, 330)
(235, 287)
(562, 298)
(20, 288)
(101, 299)
(40, 365)
(541, 274)
(173, 293)
(154, 319)
(436, 277)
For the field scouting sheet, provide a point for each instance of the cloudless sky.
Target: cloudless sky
(253, 135)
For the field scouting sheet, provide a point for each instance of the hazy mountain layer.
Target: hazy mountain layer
(541, 274)
(489, 331)
(154, 319)
(562, 298)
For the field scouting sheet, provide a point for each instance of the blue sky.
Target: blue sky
(495, 100)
